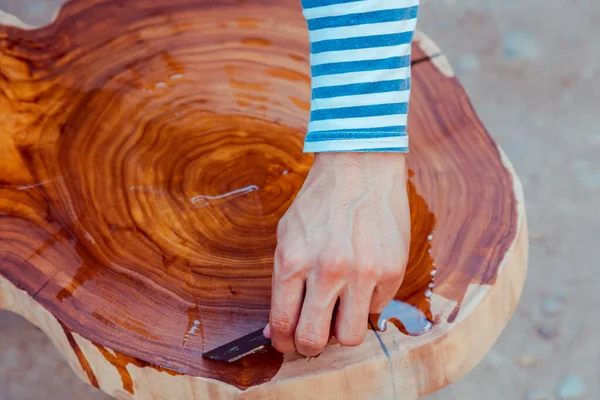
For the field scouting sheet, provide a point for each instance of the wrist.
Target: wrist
(380, 164)
(360, 158)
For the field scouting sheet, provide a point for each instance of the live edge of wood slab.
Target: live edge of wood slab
(142, 175)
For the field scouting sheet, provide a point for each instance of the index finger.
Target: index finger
(286, 302)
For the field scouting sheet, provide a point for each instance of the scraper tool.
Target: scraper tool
(239, 348)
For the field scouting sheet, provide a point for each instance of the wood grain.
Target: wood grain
(147, 152)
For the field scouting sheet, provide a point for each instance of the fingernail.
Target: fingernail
(267, 332)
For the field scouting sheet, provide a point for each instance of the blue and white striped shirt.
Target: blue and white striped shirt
(360, 66)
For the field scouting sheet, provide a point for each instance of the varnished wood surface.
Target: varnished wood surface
(147, 151)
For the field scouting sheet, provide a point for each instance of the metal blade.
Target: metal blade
(239, 348)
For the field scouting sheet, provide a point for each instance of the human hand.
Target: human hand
(346, 236)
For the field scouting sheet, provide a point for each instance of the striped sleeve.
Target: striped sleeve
(360, 70)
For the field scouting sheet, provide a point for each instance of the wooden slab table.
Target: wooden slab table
(148, 149)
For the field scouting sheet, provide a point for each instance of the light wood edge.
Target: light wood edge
(432, 50)
(149, 383)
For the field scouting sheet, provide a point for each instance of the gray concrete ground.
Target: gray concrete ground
(532, 69)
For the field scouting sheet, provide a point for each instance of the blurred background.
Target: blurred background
(532, 70)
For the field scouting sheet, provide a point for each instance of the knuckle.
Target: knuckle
(334, 257)
(393, 268)
(278, 265)
(282, 326)
(293, 261)
(281, 226)
(290, 259)
(328, 274)
(391, 275)
(367, 272)
(351, 338)
(310, 342)
(334, 271)
(331, 268)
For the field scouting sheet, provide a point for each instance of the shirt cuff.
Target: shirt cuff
(357, 141)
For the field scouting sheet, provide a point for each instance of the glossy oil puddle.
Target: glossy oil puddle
(406, 318)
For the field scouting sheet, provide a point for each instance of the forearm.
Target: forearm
(360, 64)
